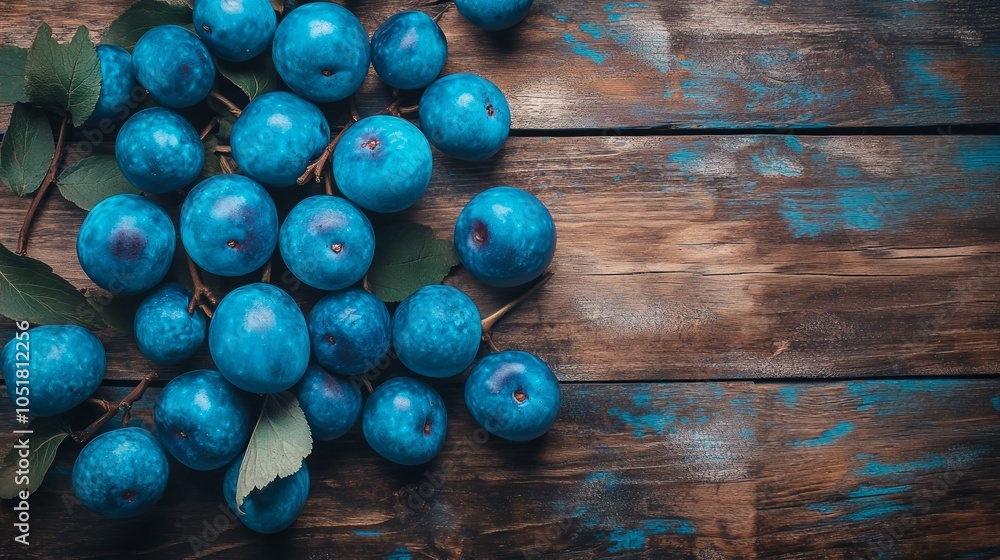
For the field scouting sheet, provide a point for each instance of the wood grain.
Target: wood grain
(688, 64)
(716, 257)
(679, 470)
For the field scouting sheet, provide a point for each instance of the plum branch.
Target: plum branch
(493, 319)
(111, 410)
(47, 181)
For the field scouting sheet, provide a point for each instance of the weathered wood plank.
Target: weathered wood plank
(719, 257)
(686, 470)
(734, 63)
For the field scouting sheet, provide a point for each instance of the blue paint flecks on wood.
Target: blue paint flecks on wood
(401, 553)
(832, 435)
(583, 49)
(893, 396)
(929, 462)
(790, 395)
(688, 162)
(995, 401)
(644, 424)
(635, 539)
(771, 162)
(824, 508)
(361, 533)
(874, 511)
(866, 491)
(926, 86)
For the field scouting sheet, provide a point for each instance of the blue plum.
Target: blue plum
(436, 331)
(405, 421)
(165, 331)
(118, 86)
(465, 116)
(327, 242)
(383, 163)
(259, 340)
(273, 508)
(321, 51)
(235, 30)
(505, 237)
(229, 225)
(202, 420)
(409, 50)
(277, 136)
(52, 368)
(350, 332)
(494, 15)
(121, 473)
(159, 151)
(126, 244)
(331, 403)
(513, 394)
(174, 65)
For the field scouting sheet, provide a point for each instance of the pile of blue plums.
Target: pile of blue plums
(228, 225)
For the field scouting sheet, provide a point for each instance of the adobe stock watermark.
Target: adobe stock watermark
(22, 403)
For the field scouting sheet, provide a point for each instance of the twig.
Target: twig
(492, 320)
(440, 14)
(236, 111)
(86, 434)
(315, 169)
(265, 277)
(328, 183)
(352, 102)
(50, 177)
(223, 149)
(200, 291)
(208, 128)
(226, 165)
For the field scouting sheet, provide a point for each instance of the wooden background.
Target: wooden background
(774, 314)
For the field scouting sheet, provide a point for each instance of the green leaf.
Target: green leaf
(92, 179)
(226, 123)
(119, 312)
(30, 291)
(254, 77)
(212, 166)
(143, 16)
(27, 150)
(12, 61)
(63, 78)
(280, 441)
(407, 258)
(42, 446)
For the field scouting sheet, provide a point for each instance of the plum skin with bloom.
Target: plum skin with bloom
(121, 473)
(331, 403)
(229, 225)
(494, 15)
(277, 136)
(118, 85)
(65, 365)
(436, 331)
(126, 244)
(383, 164)
(405, 421)
(327, 242)
(409, 50)
(202, 420)
(350, 331)
(270, 509)
(505, 237)
(235, 30)
(321, 51)
(164, 330)
(465, 116)
(159, 151)
(513, 395)
(174, 65)
(258, 339)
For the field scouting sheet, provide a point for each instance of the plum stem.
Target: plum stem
(226, 166)
(489, 322)
(266, 276)
(440, 14)
(110, 411)
(353, 104)
(47, 181)
(328, 183)
(397, 109)
(315, 169)
(200, 290)
(236, 111)
(208, 128)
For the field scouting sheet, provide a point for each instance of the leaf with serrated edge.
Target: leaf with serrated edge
(30, 291)
(140, 18)
(27, 150)
(42, 447)
(12, 61)
(92, 179)
(253, 77)
(280, 441)
(63, 78)
(407, 258)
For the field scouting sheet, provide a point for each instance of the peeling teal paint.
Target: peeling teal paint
(790, 395)
(688, 162)
(635, 539)
(401, 553)
(866, 491)
(874, 511)
(824, 508)
(929, 462)
(747, 433)
(926, 86)
(770, 162)
(583, 49)
(361, 533)
(888, 397)
(995, 401)
(794, 143)
(832, 435)
(644, 424)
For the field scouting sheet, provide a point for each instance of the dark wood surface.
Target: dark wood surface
(771, 345)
